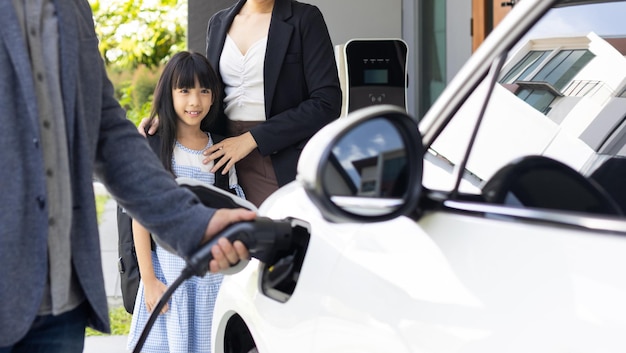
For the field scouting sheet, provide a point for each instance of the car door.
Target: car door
(526, 174)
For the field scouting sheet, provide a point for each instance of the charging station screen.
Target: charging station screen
(375, 73)
(375, 76)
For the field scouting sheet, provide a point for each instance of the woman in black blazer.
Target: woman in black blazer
(276, 61)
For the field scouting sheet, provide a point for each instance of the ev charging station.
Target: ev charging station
(372, 71)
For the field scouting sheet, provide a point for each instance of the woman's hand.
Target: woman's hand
(154, 126)
(153, 291)
(232, 149)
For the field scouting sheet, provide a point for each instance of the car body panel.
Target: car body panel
(476, 291)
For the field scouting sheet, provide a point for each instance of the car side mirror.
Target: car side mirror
(366, 167)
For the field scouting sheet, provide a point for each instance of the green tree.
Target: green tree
(139, 32)
(136, 38)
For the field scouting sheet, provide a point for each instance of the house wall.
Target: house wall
(199, 12)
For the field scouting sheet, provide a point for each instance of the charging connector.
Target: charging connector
(263, 238)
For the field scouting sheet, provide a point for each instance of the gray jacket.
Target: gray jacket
(102, 143)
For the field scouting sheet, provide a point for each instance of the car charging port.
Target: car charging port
(280, 276)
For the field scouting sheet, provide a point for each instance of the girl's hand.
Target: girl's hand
(153, 291)
(232, 149)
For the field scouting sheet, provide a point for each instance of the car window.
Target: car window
(560, 95)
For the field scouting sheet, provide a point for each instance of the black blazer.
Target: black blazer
(302, 91)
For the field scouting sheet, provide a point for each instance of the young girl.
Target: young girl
(185, 101)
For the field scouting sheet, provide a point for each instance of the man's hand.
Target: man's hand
(226, 254)
(154, 126)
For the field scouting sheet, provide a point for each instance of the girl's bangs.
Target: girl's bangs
(185, 75)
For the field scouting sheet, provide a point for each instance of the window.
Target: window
(538, 97)
(542, 75)
(563, 67)
(522, 70)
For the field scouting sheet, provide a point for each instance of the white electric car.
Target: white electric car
(494, 224)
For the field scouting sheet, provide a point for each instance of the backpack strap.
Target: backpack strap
(155, 143)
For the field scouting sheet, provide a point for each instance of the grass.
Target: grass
(120, 319)
(101, 200)
(120, 323)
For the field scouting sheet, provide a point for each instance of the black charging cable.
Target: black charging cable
(263, 237)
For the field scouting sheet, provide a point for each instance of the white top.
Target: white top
(243, 79)
(188, 163)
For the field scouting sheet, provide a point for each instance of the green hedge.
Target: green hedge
(134, 90)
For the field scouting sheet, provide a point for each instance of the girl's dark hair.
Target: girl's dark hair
(181, 71)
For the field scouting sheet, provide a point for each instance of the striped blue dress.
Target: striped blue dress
(186, 327)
